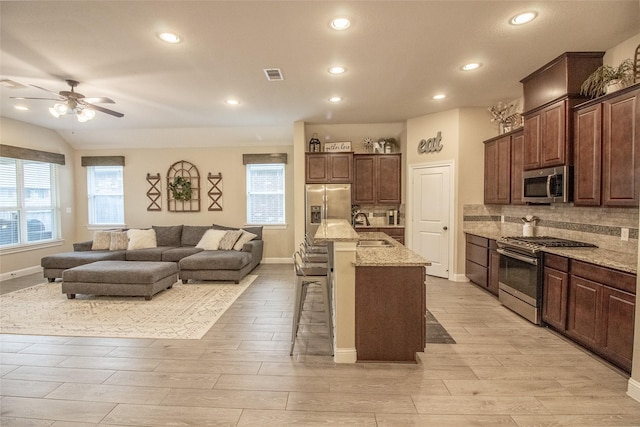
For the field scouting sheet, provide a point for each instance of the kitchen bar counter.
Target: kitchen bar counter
(603, 257)
(397, 255)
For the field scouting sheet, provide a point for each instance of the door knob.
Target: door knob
(445, 228)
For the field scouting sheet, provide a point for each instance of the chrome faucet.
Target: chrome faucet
(356, 215)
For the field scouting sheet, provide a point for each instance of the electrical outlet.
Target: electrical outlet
(370, 214)
(624, 234)
(502, 218)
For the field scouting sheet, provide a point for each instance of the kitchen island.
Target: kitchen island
(379, 296)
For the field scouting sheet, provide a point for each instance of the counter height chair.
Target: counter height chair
(312, 257)
(310, 274)
(314, 247)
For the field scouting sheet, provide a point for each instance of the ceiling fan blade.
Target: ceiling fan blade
(25, 97)
(100, 100)
(46, 90)
(104, 110)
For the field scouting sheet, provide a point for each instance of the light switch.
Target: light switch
(624, 234)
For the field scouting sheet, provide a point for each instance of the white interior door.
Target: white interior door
(430, 217)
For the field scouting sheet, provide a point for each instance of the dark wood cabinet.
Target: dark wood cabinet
(600, 310)
(482, 262)
(546, 136)
(517, 167)
(621, 150)
(377, 179)
(607, 150)
(555, 291)
(390, 313)
(327, 168)
(497, 170)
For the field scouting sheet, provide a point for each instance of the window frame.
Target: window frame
(282, 194)
(24, 208)
(92, 194)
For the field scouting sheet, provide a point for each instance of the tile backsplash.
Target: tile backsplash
(600, 226)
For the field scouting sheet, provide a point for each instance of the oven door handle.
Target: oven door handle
(532, 261)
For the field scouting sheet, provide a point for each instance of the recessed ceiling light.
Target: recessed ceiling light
(523, 18)
(169, 37)
(471, 66)
(337, 70)
(439, 96)
(21, 108)
(233, 101)
(335, 99)
(340, 23)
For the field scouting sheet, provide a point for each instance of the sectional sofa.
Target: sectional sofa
(213, 252)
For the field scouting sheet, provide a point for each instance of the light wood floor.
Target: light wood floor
(502, 371)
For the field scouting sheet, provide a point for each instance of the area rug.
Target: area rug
(186, 311)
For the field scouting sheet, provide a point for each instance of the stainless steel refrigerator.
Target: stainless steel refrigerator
(326, 201)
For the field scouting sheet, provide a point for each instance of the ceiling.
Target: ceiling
(398, 55)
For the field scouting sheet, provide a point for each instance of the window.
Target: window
(106, 195)
(28, 203)
(265, 194)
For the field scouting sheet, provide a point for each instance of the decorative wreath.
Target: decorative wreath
(180, 188)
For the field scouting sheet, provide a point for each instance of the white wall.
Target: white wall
(19, 134)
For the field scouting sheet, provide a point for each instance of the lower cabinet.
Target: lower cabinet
(592, 305)
(390, 313)
(482, 262)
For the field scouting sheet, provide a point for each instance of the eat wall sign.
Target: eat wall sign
(431, 145)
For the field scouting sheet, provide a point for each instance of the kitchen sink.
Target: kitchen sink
(375, 243)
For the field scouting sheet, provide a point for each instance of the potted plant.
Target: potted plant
(606, 79)
(180, 188)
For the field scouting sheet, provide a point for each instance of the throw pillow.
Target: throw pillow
(141, 239)
(246, 237)
(119, 241)
(211, 240)
(191, 234)
(256, 229)
(229, 239)
(101, 241)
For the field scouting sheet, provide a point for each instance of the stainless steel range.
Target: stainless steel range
(520, 283)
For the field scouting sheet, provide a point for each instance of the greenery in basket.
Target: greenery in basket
(596, 84)
(180, 188)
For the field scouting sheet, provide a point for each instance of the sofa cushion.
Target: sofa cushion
(169, 235)
(216, 260)
(146, 254)
(244, 238)
(141, 239)
(121, 272)
(223, 227)
(257, 230)
(229, 239)
(211, 240)
(176, 254)
(101, 241)
(119, 241)
(73, 259)
(191, 234)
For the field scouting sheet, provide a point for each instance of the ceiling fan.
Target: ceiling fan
(70, 101)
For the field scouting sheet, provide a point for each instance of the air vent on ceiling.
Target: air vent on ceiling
(273, 74)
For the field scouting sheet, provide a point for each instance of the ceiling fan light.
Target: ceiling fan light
(53, 112)
(61, 109)
(85, 115)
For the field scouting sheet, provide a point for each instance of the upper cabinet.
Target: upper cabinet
(377, 179)
(517, 159)
(497, 170)
(329, 168)
(549, 94)
(607, 150)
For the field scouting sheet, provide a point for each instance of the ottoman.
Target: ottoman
(119, 278)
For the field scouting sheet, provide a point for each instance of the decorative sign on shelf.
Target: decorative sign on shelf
(154, 194)
(215, 193)
(431, 145)
(337, 147)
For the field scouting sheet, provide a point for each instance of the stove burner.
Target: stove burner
(545, 242)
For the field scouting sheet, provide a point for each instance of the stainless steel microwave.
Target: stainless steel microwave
(549, 185)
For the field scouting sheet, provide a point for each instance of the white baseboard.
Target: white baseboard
(287, 260)
(633, 389)
(345, 355)
(459, 278)
(19, 273)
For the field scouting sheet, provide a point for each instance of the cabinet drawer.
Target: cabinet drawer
(613, 278)
(476, 273)
(555, 261)
(392, 231)
(478, 255)
(477, 240)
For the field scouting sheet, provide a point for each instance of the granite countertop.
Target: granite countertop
(336, 230)
(603, 257)
(378, 226)
(397, 255)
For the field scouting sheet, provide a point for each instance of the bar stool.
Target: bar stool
(312, 247)
(312, 257)
(310, 274)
